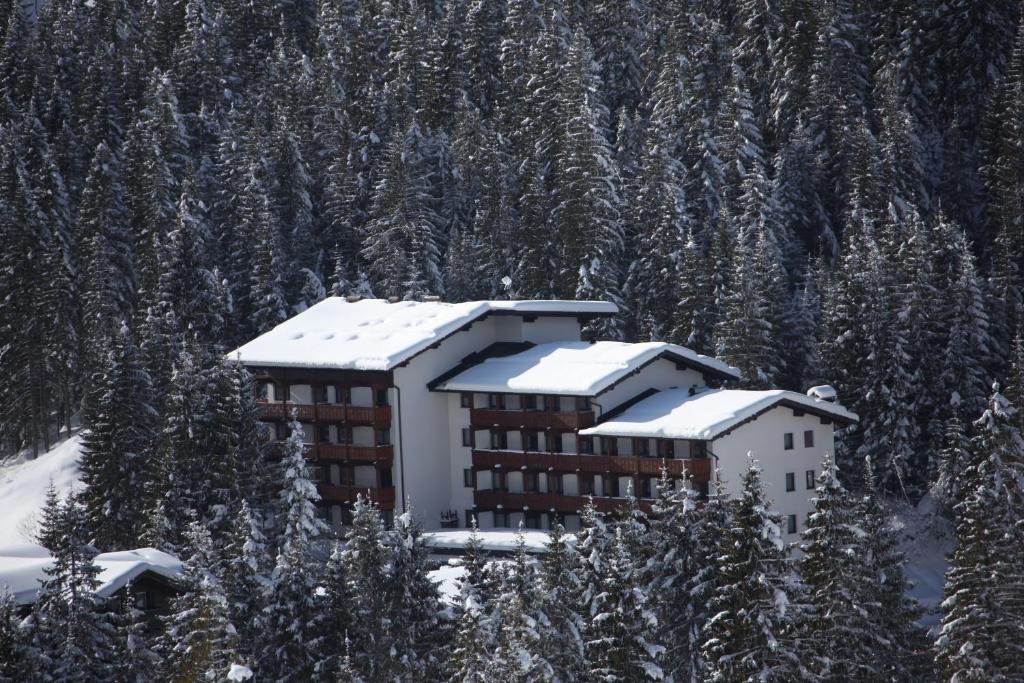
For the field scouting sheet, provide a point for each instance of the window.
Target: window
(809, 479)
(791, 524)
(531, 520)
(323, 513)
(499, 440)
(528, 402)
(500, 518)
(347, 477)
(264, 392)
(641, 447)
(797, 412)
(469, 478)
(470, 518)
(385, 478)
(790, 481)
(531, 441)
(346, 516)
(586, 445)
(645, 488)
(496, 401)
(554, 483)
(552, 404)
(467, 437)
(582, 404)
(280, 431)
(500, 480)
(554, 442)
(141, 600)
(611, 486)
(666, 448)
(609, 445)
(384, 437)
(826, 420)
(586, 484)
(319, 393)
(344, 435)
(323, 433)
(809, 438)
(466, 400)
(389, 518)
(342, 395)
(698, 449)
(530, 483)
(787, 441)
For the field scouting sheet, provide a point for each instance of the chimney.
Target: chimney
(393, 299)
(352, 298)
(823, 392)
(430, 298)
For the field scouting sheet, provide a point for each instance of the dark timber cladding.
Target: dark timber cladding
(343, 416)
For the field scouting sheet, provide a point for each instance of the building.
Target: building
(496, 409)
(152, 576)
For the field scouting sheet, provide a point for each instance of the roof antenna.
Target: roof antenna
(693, 390)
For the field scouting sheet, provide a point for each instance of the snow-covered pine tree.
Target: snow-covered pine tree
(561, 628)
(365, 559)
(403, 242)
(72, 633)
(474, 638)
(245, 581)
(134, 659)
(120, 418)
(895, 614)
(293, 645)
(755, 596)
(952, 463)
(587, 189)
(199, 640)
(335, 617)
(982, 622)
(677, 578)
(517, 639)
(17, 657)
(415, 630)
(840, 638)
(620, 629)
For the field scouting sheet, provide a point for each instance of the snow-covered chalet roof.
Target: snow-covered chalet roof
(22, 567)
(373, 334)
(492, 540)
(574, 368)
(675, 414)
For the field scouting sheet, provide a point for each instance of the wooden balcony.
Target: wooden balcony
(385, 497)
(623, 465)
(546, 502)
(342, 453)
(378, 416)
(486, 418)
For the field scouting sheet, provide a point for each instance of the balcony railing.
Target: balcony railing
(385, 497)
(334, 452)
(546, 502)
(326, 412)
(485, 418)
(699, 469)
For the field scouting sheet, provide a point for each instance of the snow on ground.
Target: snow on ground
(23, 484)
(926, 538)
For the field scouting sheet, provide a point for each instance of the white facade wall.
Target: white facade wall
(763, 438)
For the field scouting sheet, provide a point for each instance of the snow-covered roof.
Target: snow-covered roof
(675, 414)
(22, 567)
(492, 540)
(373, 334)
(573, 368)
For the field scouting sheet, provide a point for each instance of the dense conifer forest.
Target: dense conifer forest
(813, 190)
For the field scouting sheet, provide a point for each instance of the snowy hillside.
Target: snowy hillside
(23, 485)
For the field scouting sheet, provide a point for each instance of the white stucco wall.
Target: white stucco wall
(764, 439)
(661, 374)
